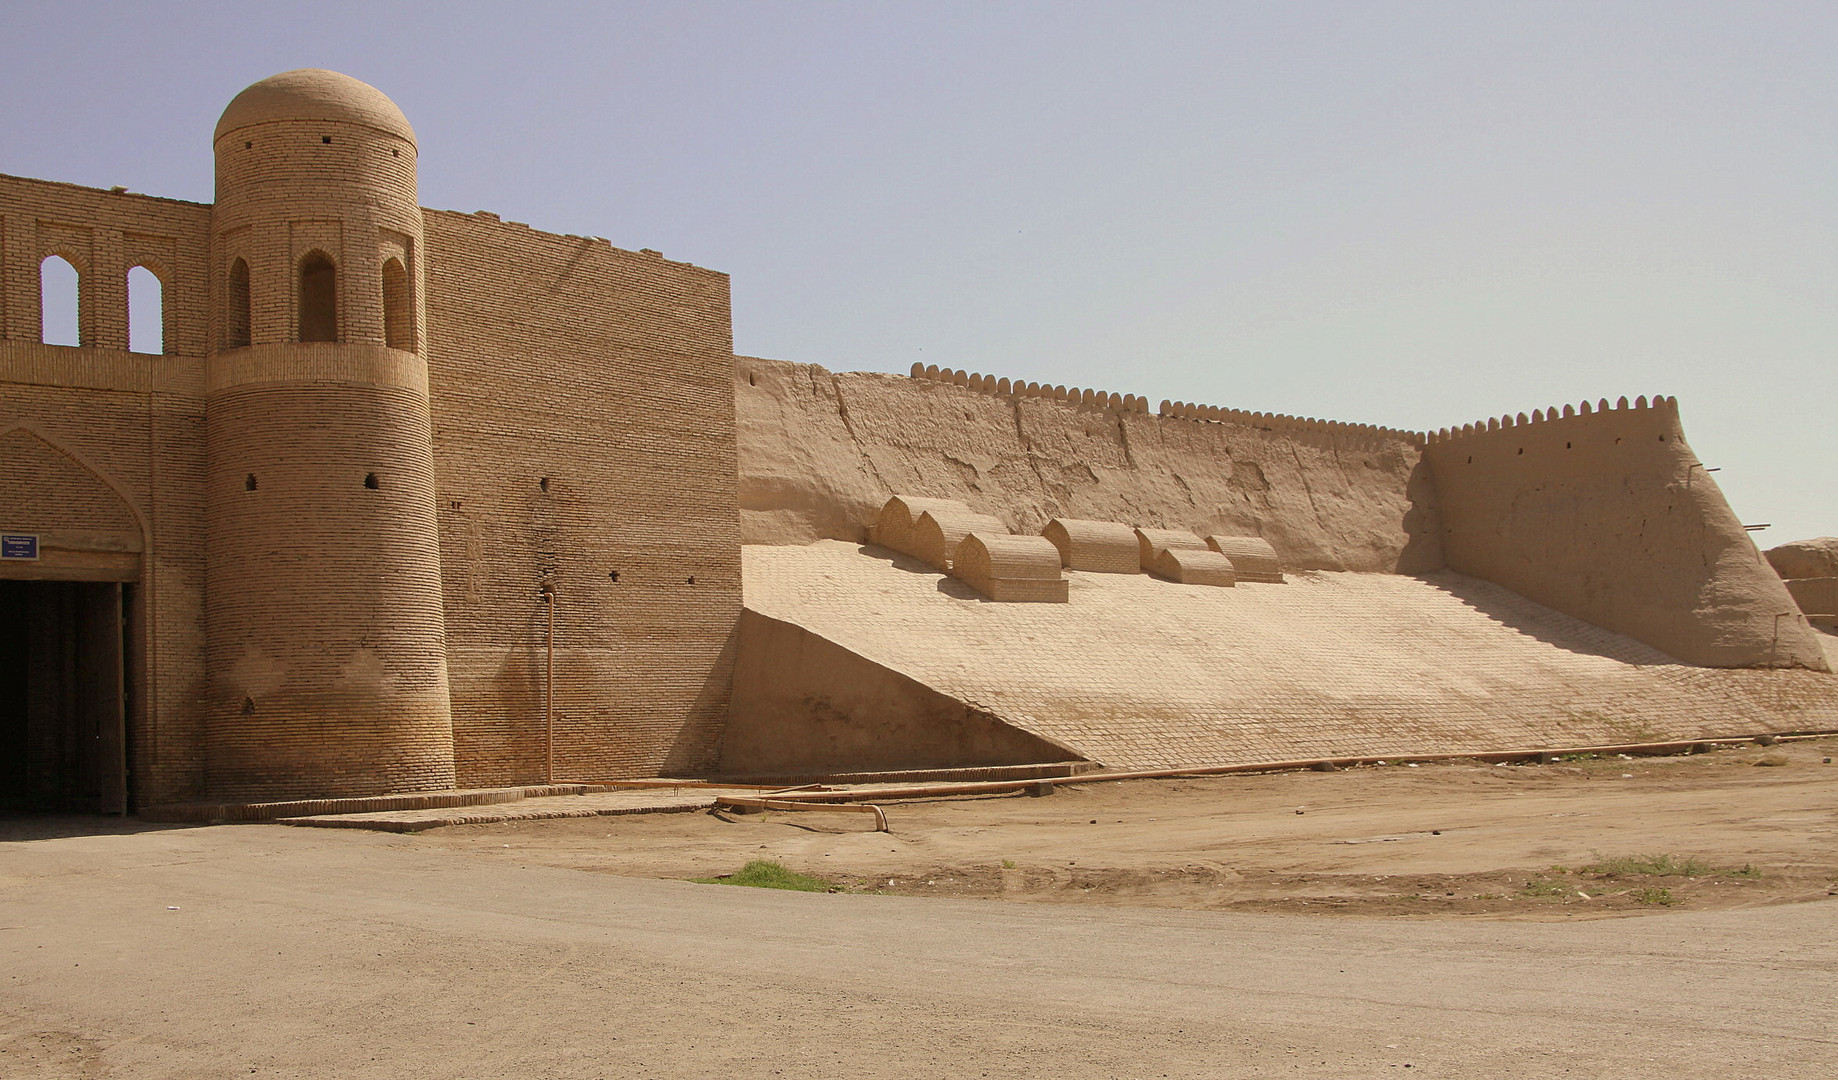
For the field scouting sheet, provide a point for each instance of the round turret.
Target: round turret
(326, 644)
(316, 227)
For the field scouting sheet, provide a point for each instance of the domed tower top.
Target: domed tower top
(314, 94)
(316, 228)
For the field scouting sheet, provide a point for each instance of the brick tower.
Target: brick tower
(323, 612)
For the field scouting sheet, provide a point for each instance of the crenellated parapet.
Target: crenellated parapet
(989, 384)
(1175, 410)
(1662, 407)
(1218, 414)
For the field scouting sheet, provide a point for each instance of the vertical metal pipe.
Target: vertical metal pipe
(548, 707)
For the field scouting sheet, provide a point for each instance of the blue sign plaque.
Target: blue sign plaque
(18, 546)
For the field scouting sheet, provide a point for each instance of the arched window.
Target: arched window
(146, 311)
(236, 322)
(318, 298)
(398, 307)
(60, 290)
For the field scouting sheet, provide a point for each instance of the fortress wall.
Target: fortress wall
(820, 452)
(1607, 515)
(583, 427)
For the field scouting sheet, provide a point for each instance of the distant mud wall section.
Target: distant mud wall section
(1604, 513)
(820, 452)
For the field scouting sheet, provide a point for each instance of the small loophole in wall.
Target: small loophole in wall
(370, 481)
(750, 379)
(249, 482)
(1566, 446)
(453, 504)
(691, 581)
(1662, 438)
(1470, 459)
(543, 483)
(613, 575)
(248, 706)
(395, 153)
(1522, 450)
(249, 145)
(326, 139)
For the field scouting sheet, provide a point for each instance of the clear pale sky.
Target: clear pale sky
(1409, 214)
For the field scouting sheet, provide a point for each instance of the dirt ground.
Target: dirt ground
(1737, 827)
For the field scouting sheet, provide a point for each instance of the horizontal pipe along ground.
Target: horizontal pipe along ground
(999, 787)
(748, 802)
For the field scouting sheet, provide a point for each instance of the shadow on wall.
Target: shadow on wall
(1423, 549)
(1552, 627)
(804, 705)
(696, 749)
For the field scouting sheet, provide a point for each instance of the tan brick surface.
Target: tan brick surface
(1252, 557)
(1193, 567)
(583, 427)
(1137, 672)
(1108, 547)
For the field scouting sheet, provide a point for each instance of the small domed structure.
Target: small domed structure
(314, 94)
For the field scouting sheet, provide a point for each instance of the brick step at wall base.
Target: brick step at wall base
(1044, 771)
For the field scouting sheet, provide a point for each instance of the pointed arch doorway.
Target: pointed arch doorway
(70, 558)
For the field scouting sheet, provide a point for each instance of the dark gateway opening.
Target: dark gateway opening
(62, 706)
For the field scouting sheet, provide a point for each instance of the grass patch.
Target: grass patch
(1544, 887)
(1650, 866)
(1661, 897)
(765, 874)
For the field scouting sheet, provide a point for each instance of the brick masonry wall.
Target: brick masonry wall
(583, 427)
(327, 654)
(103, 234)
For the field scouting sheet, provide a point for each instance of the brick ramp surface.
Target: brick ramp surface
(601, 804)
(1140, 673)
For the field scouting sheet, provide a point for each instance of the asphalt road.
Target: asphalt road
(273, 952)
